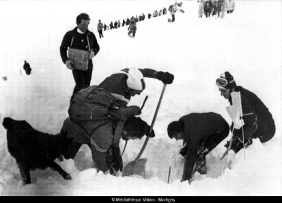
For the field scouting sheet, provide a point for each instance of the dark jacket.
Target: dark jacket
(208, 6)
(256, 115)
(116, 83)
(197, 128)
(132, 26)
(79, 42)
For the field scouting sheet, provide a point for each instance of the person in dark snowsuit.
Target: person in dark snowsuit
(164, 11)
(258, 121)
(208, 8)
(123, 23)
(100, 29)
(127, 21)
(116, 25)
(80, 38)
(201, 133)
(105, 27)
(132, 28)
(111, 25)
(27, 68)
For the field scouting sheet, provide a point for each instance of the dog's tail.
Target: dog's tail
(7, 121)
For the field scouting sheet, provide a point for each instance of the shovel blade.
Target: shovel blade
(135, 168)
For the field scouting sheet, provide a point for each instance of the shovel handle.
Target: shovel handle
(144, 103)
(152, 124)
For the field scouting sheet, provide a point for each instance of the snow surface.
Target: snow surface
(247, 43)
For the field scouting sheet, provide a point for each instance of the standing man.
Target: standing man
(230, 6)
(201, 133)
(100, 29)
(258, 121)
(81, 40)
(172, 10)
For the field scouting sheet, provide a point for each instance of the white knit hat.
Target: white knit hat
(134, 80)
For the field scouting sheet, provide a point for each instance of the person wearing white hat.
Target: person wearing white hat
(130, 81)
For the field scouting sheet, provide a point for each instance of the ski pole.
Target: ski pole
(168, 175)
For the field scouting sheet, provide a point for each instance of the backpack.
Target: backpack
(92, 103)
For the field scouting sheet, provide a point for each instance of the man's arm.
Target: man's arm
(95, 46)
(64, 46)
(165, 77)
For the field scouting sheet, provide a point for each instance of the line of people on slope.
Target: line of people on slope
(215, 8)
(201, 132)
(117, 24)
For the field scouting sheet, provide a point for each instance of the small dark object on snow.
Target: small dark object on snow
(27, 68)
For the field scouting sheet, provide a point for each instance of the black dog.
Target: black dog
(33, 149)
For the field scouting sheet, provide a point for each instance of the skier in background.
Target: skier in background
(100, 29)
(132, 28)
(230, 6)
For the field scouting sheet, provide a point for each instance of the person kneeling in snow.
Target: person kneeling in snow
(104, 140)
(201, 133)
(258, 121)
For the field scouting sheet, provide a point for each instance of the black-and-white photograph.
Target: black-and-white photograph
(141, 98)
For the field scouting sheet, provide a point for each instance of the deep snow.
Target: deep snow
(246, 43)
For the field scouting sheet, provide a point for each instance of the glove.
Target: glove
(166, 77)
(69, 64)
(237, 144)
(148, 133)
(202, 152)
(129, 111)
(183, 151)
(91, 55)
(117, 160)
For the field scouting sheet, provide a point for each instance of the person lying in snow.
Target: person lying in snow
(258, 121)
(201, 133)
(103, 140)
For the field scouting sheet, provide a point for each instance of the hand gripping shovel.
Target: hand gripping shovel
(138, 165)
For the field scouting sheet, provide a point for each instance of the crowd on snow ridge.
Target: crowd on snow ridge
(133, 20)
(215, 8)
(208, 8)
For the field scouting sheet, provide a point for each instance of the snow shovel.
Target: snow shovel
(140, 111)
(138, 165)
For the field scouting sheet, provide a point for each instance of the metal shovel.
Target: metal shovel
(138, 165)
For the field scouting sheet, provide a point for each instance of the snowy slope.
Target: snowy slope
(246, 43)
